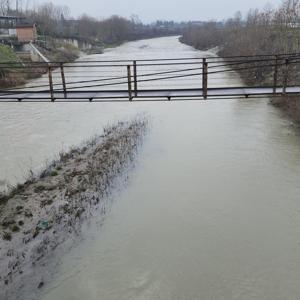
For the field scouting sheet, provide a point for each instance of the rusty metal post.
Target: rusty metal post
(135, 78)
(285, 77)
(275, 75)
(129, 83)
(50, 83)
(63, 79)
(204, 77)
(2, 73)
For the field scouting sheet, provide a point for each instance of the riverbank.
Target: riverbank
(290, 105)
(259, 76)
(17, 71)
(266, 33)
(48, 209)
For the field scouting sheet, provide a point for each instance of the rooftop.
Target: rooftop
(11, 18)
(25, 25)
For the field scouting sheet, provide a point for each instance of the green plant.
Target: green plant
(7, 55)
(6, 236)
(54, 173)
(15, 228)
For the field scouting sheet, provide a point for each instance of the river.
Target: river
(211, 210)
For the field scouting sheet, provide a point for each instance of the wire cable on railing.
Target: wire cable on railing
(295, 59)
(112, 78)
(245, 68)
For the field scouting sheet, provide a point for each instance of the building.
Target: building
(26, 32)
(18, 28)
(8, 26)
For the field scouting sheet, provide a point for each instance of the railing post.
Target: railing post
(63, 79)
(50, 82)
(135, 78)
(129, 83)
(275, 75)
(204, 77)
(285, 77)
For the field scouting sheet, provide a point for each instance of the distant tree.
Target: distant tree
(5, 7)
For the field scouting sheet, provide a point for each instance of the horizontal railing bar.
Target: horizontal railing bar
(154, 90)
(161, 99)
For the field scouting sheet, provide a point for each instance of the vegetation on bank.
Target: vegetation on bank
(270, 31)
(61, 52)
(12, 71)
(9, 63)
(49, 208)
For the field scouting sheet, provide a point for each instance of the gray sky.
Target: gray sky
(150, 10)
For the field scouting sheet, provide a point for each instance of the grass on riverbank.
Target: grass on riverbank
(61, 53)
(10, 74)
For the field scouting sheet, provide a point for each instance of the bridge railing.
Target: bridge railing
(133, 76)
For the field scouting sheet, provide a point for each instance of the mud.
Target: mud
(48, 210)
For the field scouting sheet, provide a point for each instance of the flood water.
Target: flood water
(211, 211)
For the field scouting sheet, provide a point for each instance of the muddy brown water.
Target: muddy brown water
(211, 211)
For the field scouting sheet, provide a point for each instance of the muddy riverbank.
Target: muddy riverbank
(47, 210)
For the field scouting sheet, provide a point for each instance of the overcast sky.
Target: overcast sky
(150, 10)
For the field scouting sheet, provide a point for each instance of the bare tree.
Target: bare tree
(5, 6)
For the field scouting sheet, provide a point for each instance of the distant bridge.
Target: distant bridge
(156, 79)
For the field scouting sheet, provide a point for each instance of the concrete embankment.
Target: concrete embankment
(49, 209)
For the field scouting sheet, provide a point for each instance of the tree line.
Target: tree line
(260, 32)
(56, 21)
(269, 31)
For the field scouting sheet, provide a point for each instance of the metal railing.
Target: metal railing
(136, 79)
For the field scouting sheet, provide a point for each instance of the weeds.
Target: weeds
(54, 173)
(6, 236)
